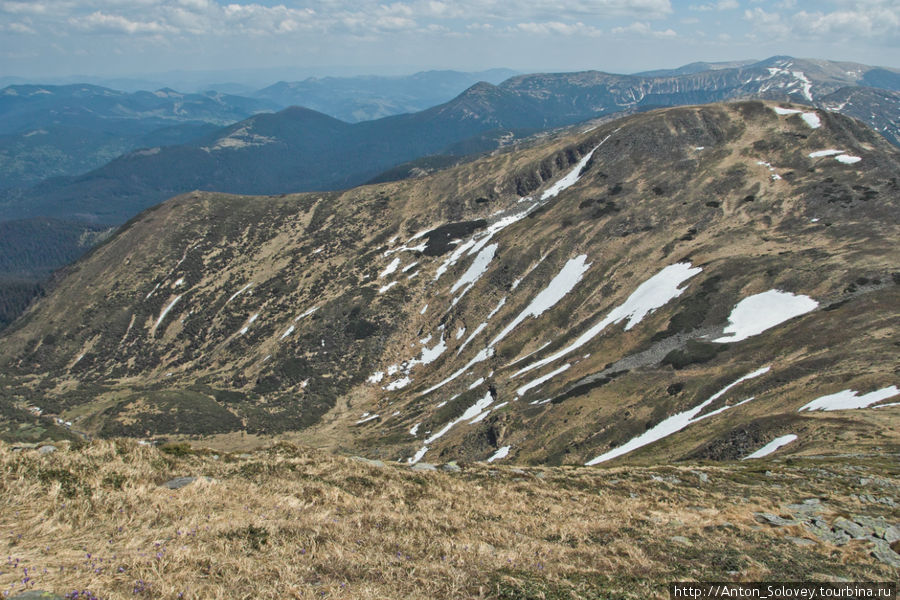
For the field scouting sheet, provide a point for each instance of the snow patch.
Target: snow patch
(239, 292)
(478, 330)
(418, 456)
(480, 357)
(571, 177)
(772, 446)
(521, 391)
(399, 384)
(500, 454)
(391, 268)
(821, 153)
(848, 399)
(385, 288)
(470, 413)
(650, 295)
(785, 111)
(247, 325)
(289, 331)
(812, 119)
(757, 313)
(166, 311)
(673, 424)
(475, 271)
(559, 286)
(415, 429)
(376, 377)
(847, 160)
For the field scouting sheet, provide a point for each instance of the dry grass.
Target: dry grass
(295, 523)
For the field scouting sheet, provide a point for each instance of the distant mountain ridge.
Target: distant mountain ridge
(297, 150)
(365, 98)
(50, 131)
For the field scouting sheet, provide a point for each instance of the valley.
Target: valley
(556, 305)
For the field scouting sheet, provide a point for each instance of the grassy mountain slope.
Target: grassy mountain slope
(413, 318)
(297, 523)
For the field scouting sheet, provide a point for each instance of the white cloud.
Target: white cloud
(857, 19)
(18, 27)
(720, 5)
(101, 22)
(643, 29)
(558, 28)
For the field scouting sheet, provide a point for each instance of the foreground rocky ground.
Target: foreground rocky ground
(114, 519)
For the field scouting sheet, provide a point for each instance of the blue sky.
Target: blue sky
(134, 37)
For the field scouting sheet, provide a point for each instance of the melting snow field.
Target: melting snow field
(471, 412)
(166, 311)
(821, 153)
(760, 312)
(571, 177)
(785, 111)
(673, 424)
(250, 321)
(500, 454)
(811, 119)
(847, 160)
(650, 295)
(772, 446)
(533, 384)
(391, 268)
(848, 399)
(475, 271)
(399, 384)
(562, 284)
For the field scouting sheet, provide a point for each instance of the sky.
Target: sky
(59, 38)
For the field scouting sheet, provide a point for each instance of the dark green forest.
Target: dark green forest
(30, 250)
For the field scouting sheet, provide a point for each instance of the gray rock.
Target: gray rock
(890, 534)
(36, 595)
(775, 520)
(368, 461)
(805, 510)
(667, 479)
(244, 455)
(518, 471)
(180, 482)
(451, 467)
(48, 449)
(876, 525)
(422, 466)
(680, 539)
(838, 538)
(883, 552)
(854, 530)
(800, 541)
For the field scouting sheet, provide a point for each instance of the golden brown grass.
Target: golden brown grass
(295, 523)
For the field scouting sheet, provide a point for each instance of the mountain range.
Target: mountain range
(703, 282)
(300, 149)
